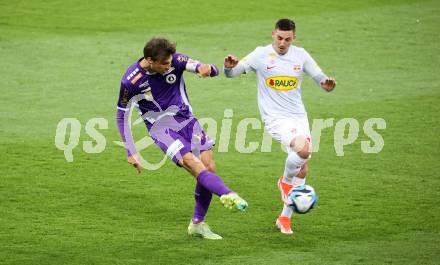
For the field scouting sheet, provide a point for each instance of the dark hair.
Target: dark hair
(285, 24)
(159, 49)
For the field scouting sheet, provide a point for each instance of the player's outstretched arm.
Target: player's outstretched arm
(128, 141)
(195, 66)
(231, 67)
(313, 70)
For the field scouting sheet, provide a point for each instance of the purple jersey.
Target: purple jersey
(164, 106)
(159, 91)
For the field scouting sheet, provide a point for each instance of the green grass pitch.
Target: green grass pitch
(64, 59)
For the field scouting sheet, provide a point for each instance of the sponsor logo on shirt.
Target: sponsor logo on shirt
(136, 78)
(282, 83)
(182, 58)
(124, 99)
(144, 84)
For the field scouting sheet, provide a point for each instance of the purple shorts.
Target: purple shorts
(177, 136)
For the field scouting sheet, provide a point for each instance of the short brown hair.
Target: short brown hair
(159, 49)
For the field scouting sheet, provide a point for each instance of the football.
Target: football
(303, 198)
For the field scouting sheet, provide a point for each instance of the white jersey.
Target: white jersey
(279, 79)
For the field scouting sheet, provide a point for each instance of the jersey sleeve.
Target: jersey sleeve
(184, 62)
(250, 61)
(310, 66)
(125, 94)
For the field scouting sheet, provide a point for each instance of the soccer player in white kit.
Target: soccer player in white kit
(280, 68)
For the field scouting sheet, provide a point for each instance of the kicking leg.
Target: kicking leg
(213, 183)
(203, 196)
(207, 183)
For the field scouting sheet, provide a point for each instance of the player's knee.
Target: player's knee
(190, 160)
(193, 164)
(301, 146)
(210, 166)
(305, 153)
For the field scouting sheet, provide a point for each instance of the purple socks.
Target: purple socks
(203, 199)
(213, 183)
(207, 183)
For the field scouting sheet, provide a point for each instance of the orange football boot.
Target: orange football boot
(283, 223)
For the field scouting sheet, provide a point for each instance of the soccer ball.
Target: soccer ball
(302, 198)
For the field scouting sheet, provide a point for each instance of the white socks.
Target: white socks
(298, 181)
(287, 211)
(293, 165)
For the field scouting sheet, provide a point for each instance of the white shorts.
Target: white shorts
(285, 129)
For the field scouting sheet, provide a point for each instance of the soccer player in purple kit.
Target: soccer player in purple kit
(155, 85)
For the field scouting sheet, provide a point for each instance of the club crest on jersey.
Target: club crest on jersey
(297, 68)
(171, 79)
(282, 83)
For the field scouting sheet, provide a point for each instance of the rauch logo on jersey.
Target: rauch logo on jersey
(282, 83)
